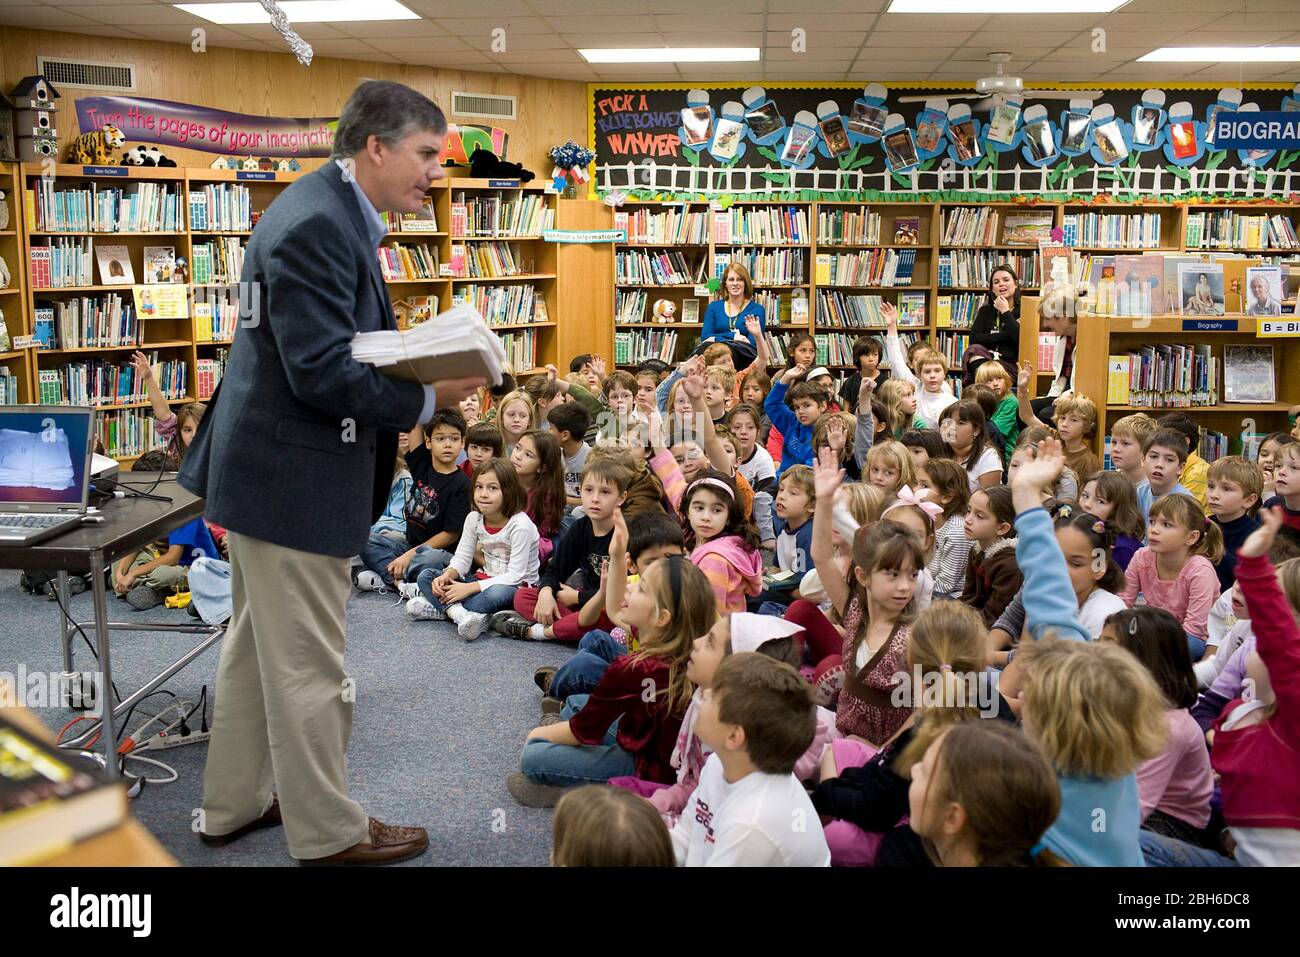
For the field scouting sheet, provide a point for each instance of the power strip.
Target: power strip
(162, 740)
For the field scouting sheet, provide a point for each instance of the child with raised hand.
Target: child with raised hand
(1075, 418)
(1092, 709)
(948, 486)
(539, 465)
(889, 466)
(175, 428)
(1112, 498)
(629, 723)
(758, 718)
(992, 574)
(757, 467)
(1175, 786)
(1066, 486)
(737, 633)
(962, 426)
(597, 826)
(499, 536)
(1175, 570)
(1256, 747)
(795, 420)
(983, 796)
(931, 376)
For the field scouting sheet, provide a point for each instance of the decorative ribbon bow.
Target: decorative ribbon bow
(908, 497)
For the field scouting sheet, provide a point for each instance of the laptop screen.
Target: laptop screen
(44, 455)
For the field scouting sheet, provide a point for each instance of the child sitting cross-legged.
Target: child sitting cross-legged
(539, 464)
(501, 538)
(550, 611)
(795, 414)
(145, 578)
(629, 723)
(758, 719)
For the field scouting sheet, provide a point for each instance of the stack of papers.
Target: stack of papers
(35, 459)
(454, 344)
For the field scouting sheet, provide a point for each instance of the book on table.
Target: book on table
(455, 344)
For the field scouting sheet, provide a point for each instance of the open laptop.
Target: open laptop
(44, 470)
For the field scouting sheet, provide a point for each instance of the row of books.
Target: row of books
(408, 261)
(63, 263)
(216, 316)
(783, 308)
(88, 322)
(223, 207)
(785, 267)
(425, 221)
(98, 382)
(521, 349)
(1129, 230)
(869, 267)
(952, 346)
(208, 372)
(958, 311)
(969, 226)
(485, 260)
(8, 387)
(630, 305)
(1163, 377)
(974, 267)
(525, 215)
(128, 432)
(905, 341)
(632, 346)
(847, 226)
(218, 260)
(1228, 229)
(503, 305)
(761, 226)
(666, 267)
(663, 226)
(149, 208)
(834, 348)
(864, 311)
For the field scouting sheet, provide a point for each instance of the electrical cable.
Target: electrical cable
(131, 756)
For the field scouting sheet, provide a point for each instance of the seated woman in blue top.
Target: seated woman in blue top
(726, 316)
(1091, 708)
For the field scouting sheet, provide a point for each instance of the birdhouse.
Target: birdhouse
(35, 93)
(34, 122)
(221, 163)
(34, 149)
(266, 164)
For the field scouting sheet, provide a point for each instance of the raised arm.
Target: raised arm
(157, 401)
(894, 347)
(827, 477)
(693, 383)
(1024, 377)
(865, 432)
(1277, 636)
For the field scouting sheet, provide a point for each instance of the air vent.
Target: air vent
(487, 105)
(117, 77)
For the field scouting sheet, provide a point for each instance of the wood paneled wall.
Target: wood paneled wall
(244, 81)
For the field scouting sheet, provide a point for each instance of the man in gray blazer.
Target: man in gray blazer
(297, 445)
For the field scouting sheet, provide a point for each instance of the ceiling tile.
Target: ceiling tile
(670, 7)
(128, 14)
(308, 31)
(611, 41)
(383, 29)
(1016, 23)
(774, 54)
(38, 17)
(1002, 40)
(1228, 38)
(524, 41)
(400, 45)
(810, 21)
(922, 41)
(595, 24)
(826, 6)
(560, 8)
(459, 26)
(107, 30)
(1185, 20)
(625, 71)
(712, 37)
(344, 46)
(817, 40)
(925, 22)
(434, 9)
(215, 36)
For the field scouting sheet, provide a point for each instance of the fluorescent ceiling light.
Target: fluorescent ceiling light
(1003, 6)
(671, 55)
(1222, 55)
(302, 11)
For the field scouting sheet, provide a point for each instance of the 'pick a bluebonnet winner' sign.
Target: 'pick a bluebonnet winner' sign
(1256, 130)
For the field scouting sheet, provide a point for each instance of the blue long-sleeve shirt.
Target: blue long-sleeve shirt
(718, 325)
(1100, 817)
(798, 448)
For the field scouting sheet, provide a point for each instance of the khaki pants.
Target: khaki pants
(282, 718)
(165, 578)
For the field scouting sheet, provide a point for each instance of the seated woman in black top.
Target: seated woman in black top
(997, 324)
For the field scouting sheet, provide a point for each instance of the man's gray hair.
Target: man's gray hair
(390, 111)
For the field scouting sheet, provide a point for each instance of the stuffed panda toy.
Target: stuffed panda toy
(146, 156)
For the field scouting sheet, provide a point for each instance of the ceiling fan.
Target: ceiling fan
(991, 91)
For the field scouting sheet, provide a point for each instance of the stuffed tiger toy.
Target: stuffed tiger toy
(94, 147)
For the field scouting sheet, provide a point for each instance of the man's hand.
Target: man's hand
(451, 392)
(397, 567)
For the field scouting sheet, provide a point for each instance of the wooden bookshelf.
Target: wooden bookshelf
(14, 306)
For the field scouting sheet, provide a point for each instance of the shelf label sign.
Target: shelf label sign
(26, 342)
(255, 174)
(1256, 130)
(585, 235)
(104, 171)
(1207, 325)
(1278, 327)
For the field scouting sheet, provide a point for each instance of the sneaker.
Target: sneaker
(542, 677)
(421, 609)
(367, 580)
(554, 718)
(471, 625)
(143, 597)
(511, 624)
(551, 705)
(407, 590)
(531, 794)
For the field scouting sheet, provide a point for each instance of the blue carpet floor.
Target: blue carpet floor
(437, 727)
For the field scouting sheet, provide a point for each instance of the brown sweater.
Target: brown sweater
(644, 495)
(992, 579)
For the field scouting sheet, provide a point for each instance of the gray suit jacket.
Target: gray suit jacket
(287, 450)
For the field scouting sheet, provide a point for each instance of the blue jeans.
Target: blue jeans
(564, 765)
(1161, 851)
(763, 516)
(494, 598)
(581, 673)
(382, 547)
(1196, 646)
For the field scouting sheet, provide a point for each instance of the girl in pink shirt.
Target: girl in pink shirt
(1175, 571)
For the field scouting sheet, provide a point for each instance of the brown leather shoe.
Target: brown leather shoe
(269, 819)
(388, 845)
